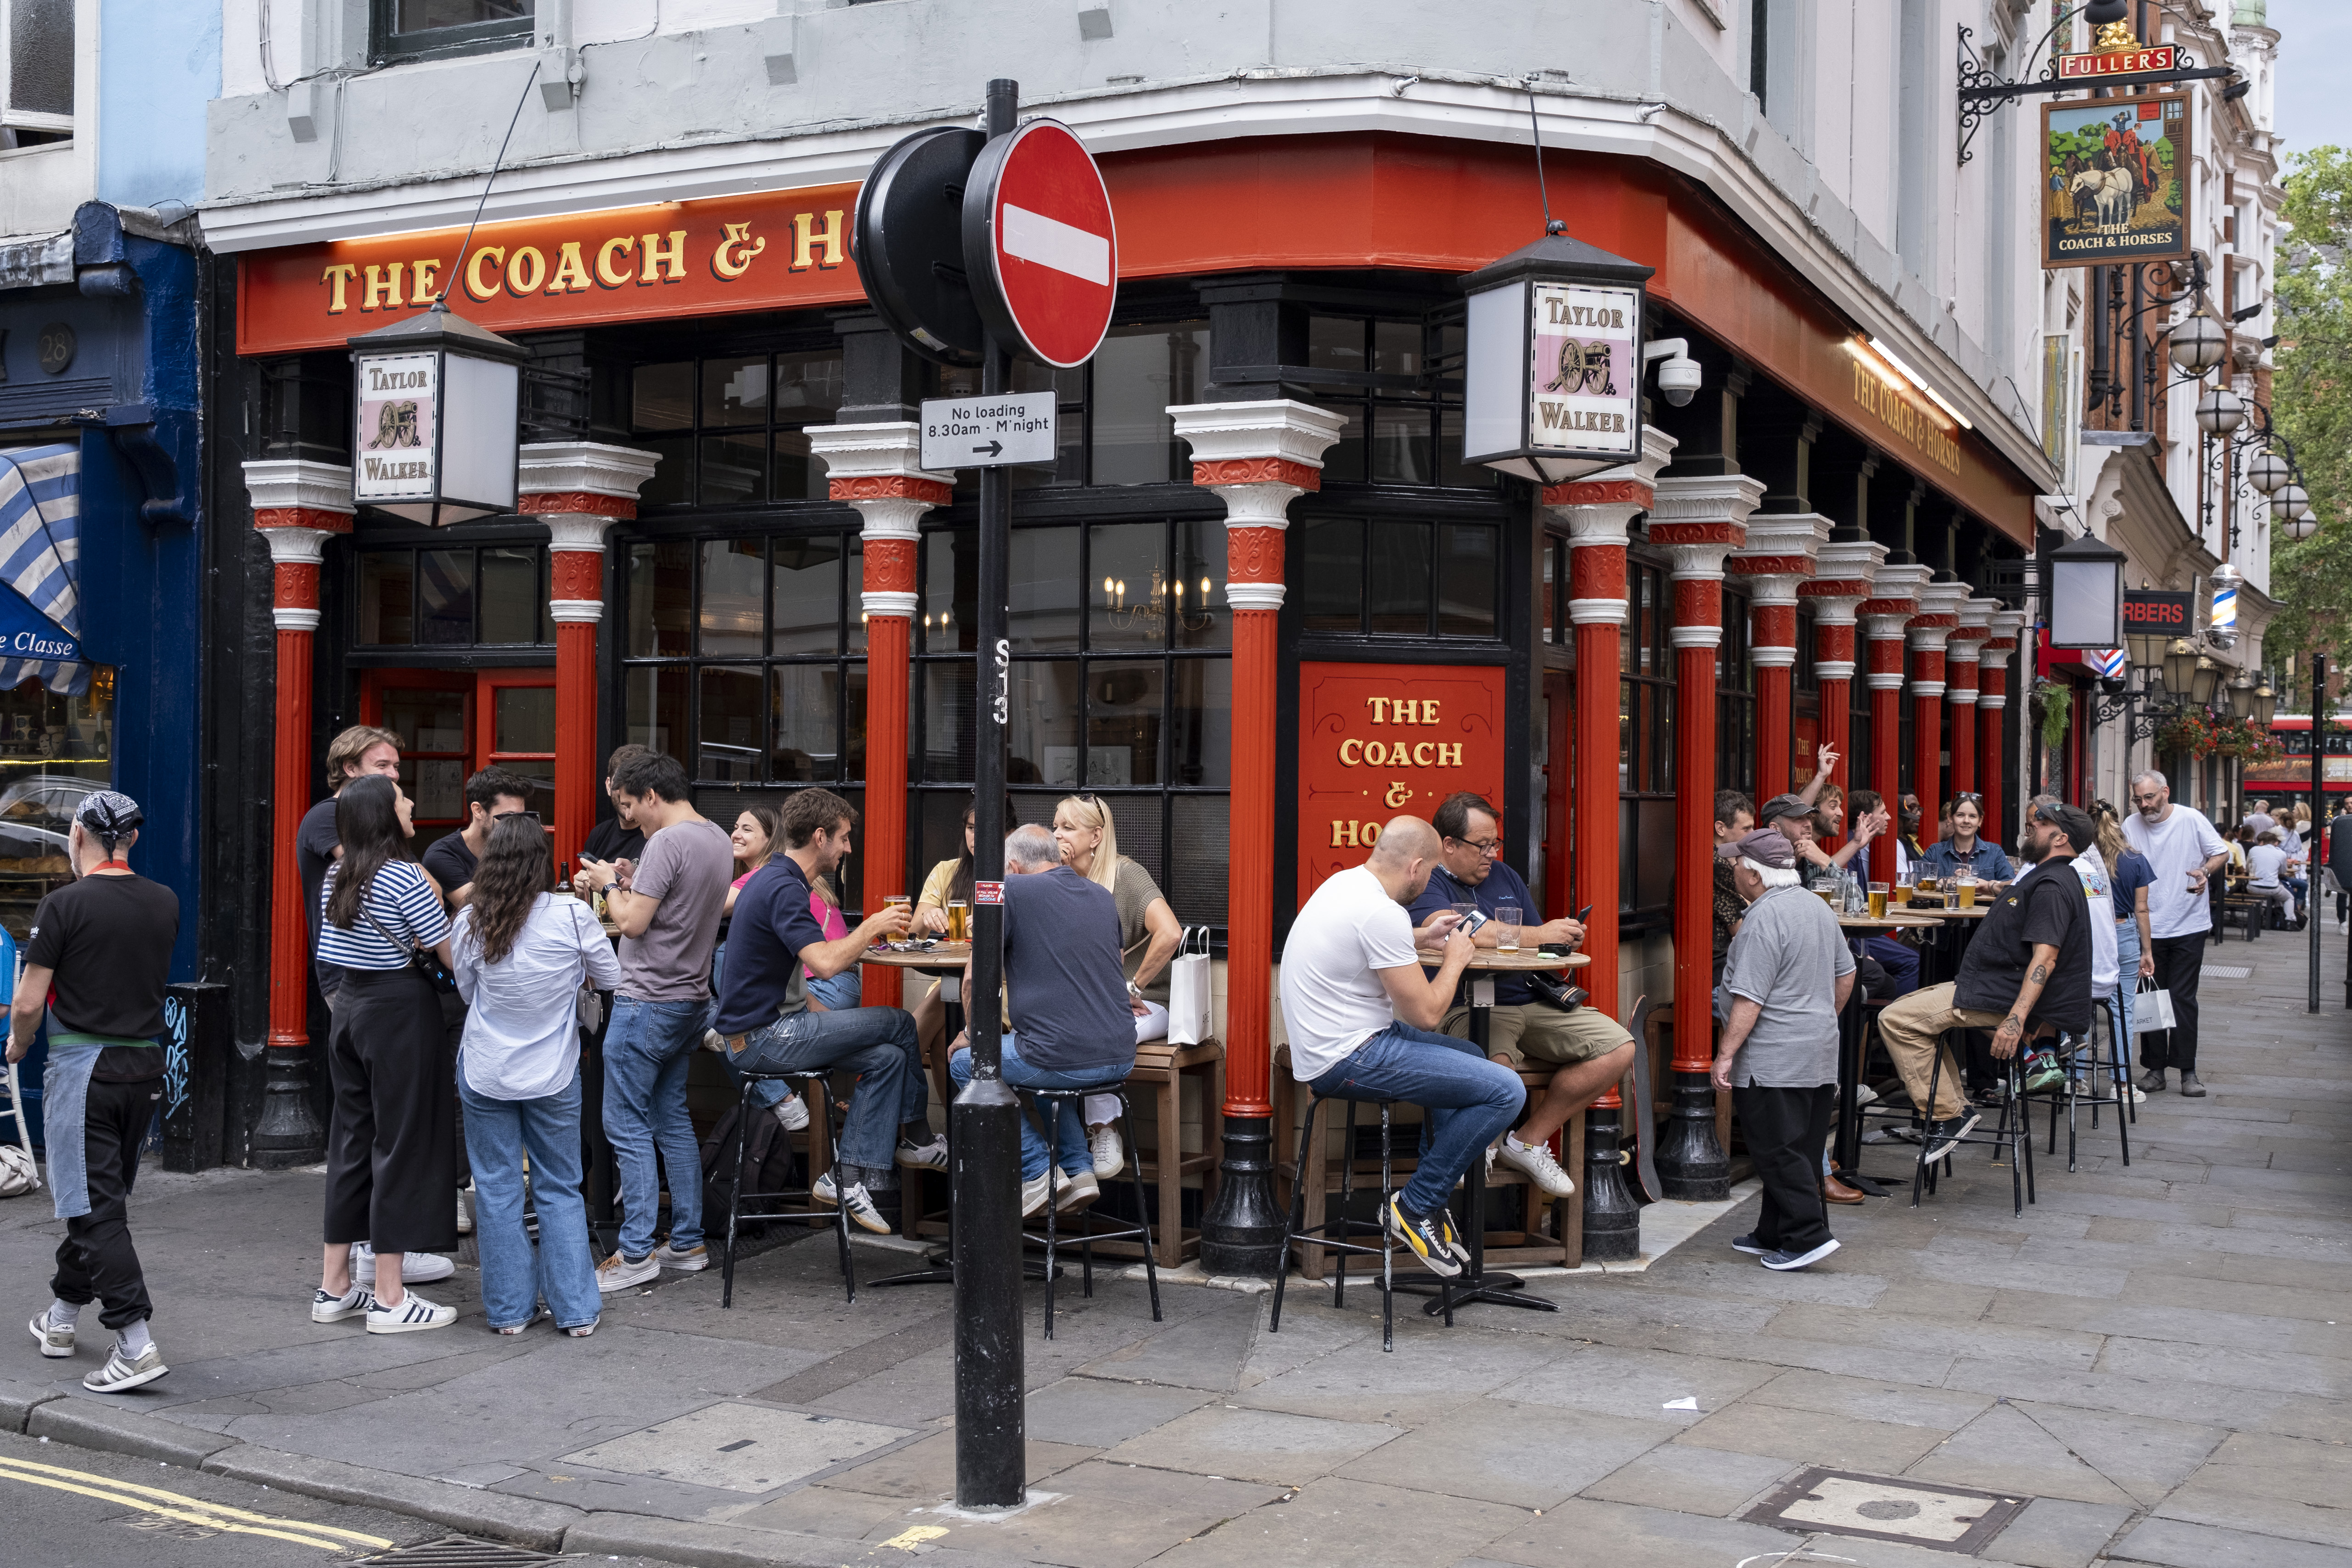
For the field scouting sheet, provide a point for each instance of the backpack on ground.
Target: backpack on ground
(768, 1166)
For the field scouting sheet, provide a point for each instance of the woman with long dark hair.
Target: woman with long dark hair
(391, 1157)
(521, 954)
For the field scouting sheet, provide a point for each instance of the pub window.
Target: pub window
(730, 430)
(1121, 684)
(1645, 749)
(453, 598)
(1735, 700)
(1404, 420)
(1402, 577)
(415, 29)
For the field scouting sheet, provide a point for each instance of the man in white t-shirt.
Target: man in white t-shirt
(2184, 851)
(1361, 1015)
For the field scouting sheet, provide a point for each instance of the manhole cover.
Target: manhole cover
(460, 1551)
(1841, 1502)
(739, 1447)
(2226, 972)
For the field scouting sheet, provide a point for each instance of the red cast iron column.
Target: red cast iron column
(1841, 582)
(1702, 519)
(874, 467)
(579, 489)
(1928, 629)
(1960, 686)
(1895, 592)
(1776, 560)
(296, 506)
(1992, 700)
(1257, 456)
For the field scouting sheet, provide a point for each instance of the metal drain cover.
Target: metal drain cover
(459, 1551)
(1880, 1507)
(2226, 972)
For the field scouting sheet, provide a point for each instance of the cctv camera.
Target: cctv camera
(1678, 379)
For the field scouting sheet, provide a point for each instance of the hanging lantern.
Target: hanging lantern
(1552, 367)
(2242, 696)
(2265, 703)
(2220, 411)
(436, 400)
(2180, 668)
(2198, 344)
(2303, 525)
(2207, 683)
(2086, 594)
(2289, 501)
(2268, 471)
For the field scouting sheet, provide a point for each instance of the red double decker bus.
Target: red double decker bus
(2289, 779)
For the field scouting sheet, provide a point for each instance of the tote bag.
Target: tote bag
(2152, 1009)
(1189, 1022)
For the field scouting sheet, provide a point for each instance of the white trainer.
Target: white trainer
(122, 1372)
(1077, 1192)
(791, 1112)
(1033, 1194)
(464, 1213)
(617, 1273)
(55, 1342)
(352, 1303)
(929, 1156)
(411, 1315)
(1110, 1154)
(415, 1267)
(825, 1194)
(1537, 1162)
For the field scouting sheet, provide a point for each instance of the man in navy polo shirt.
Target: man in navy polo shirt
(1588, 1049)
(767, 1026)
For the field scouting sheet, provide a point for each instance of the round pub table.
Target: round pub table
(1476, 1284)
(946, 960)
(1851, 1042)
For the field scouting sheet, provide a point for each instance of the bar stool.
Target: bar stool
(2014, 1133)
(1049, 1106)
(837, 1216)
(1333, 1233)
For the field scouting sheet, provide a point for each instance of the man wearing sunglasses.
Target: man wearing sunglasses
(451, 858)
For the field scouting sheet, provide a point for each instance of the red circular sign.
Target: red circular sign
(1053, 250)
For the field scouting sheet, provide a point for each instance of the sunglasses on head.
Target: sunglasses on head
(532, 815)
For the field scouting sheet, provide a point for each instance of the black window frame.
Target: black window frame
(1646, 777)
(615, 419)
(386, 47)
(365, 545)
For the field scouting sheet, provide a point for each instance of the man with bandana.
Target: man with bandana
(96, 964)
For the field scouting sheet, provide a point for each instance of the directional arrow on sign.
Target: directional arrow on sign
(992, 448)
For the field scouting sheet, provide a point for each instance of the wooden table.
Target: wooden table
(1477, 1285)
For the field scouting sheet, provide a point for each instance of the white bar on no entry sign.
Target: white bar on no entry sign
(1049, 242)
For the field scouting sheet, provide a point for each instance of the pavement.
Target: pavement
(2141, 1369)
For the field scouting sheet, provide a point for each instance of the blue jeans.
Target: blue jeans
(2127, 978)
(841, 992)
(647, 1048)
(1069, 1129)
(1900, 960)
(879, 1045)
(499, 1132)
(1440, 1074)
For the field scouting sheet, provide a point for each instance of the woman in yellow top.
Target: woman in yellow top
(949, 881)
(1149, 937)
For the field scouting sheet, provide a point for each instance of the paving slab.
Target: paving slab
(1811, 1435)
(924, 1471)
(1712, 1481)
(2054, 1534)
(1498, 1451)
(1641, 1384)
(2004, 1450)
(1106, 1515)
(1872, 1399)
(1339, 1523)
(2178, 1543)
(1584, 1533)
(1227, 1441)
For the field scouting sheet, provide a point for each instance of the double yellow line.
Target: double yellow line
(186, 1509)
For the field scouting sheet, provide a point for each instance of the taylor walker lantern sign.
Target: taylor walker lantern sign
(1553, 374)
(2114, 184)
(434, 399)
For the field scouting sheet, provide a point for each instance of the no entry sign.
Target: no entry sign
(1039, 246)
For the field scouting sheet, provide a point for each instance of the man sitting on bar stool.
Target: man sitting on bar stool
(1358, 1010)
(1066, 996)
(1590, 1049)
(1787, 977)
(2027, 969)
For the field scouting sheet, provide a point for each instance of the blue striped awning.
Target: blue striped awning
(40, 554)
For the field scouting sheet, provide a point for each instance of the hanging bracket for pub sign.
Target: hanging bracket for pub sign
(2116, 59)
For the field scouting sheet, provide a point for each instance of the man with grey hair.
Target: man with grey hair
(1788, 975)
(2183, 849)
(1071, 1025)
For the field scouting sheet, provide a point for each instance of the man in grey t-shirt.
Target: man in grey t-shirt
(1789, 973)
(668, 917)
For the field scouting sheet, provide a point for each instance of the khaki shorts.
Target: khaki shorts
(1541, 1034)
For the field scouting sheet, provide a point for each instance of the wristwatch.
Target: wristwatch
(1135, 991)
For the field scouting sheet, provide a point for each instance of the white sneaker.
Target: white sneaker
(1034, 1195)
(55, 1342)
(712, 1040)
(856, 1200)
(415, 1267)
(791, 1112)
(122, 1372)
(413, 1315)
(1540, 1167)
(1865, 1095)
(1077, 1192)
(1110, 1156)
(693, 1260)
(352, 1303)
(465, 1216)
(930, 1156)
(617, 1273)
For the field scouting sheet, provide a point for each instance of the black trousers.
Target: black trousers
(96, 1261)
(1785, 1128)
(391, 1155)
(2179, 959)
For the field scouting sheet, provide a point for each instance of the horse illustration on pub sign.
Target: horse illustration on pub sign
(2113, 186)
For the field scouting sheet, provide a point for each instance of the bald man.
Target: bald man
(1361, 1015)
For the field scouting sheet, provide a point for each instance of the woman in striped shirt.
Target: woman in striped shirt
(392, 1144)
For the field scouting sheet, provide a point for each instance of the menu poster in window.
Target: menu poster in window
(440, 789)
(1380, 741)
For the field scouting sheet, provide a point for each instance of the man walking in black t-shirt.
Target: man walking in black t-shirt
(97, 962)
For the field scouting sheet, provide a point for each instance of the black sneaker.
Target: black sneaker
(1784, 1261)
(1749, 1244)
(1424, 1234)
(1943, 1137)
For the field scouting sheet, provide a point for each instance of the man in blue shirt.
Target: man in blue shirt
(1589, 1050)
(765, 1019)
(1964, 850)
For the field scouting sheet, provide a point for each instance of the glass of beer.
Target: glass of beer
(1926, 882)
(1966, 884)
(1507, 928)
(959, 914)
(1878, 901)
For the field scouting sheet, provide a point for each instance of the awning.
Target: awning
(41, 563)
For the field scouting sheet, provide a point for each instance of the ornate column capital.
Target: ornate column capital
(1701, 518)
(579, 489)
(1258, 456)
(877, 468)
(1599, 508)
(298, 506)
(1781, 545)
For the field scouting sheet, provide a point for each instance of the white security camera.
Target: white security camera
(1678, 379)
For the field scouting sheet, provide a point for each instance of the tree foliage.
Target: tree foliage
(2311, 400)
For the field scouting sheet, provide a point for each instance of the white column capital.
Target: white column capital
(1832, 668)
(2007, 623)
(1257, 456)
(571, 532)
(283, 485)
(1782, 544)
(1698, 560)
(291, 545)
(1705, 499)
(583, 468)
(1768, 656)
(876, 469)
(1599, 508)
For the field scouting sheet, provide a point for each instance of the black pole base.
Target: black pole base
(1242, 1232)
(986, 1250)
(1691, 1167)
(1613, 1220)
(287, 1134)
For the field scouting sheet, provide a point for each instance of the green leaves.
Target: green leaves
(2311, 401)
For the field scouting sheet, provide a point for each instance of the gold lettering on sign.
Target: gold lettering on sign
(1400, 794)
(1903, 418)
(606, 273)
(339, 276)
(805, 234)
(733, 257)
(669, 261)
(570, 270)
(383, 286)
(526, 270)
(474, 283)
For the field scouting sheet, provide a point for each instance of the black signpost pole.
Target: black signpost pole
(989, 1458)
(2313, 897)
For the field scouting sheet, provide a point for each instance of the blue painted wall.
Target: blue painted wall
(159, 65)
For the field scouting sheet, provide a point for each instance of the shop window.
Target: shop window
(416, 29)
(453, 598)
(1389, 577)
(731, 431)
(1403, 412)
(1121, 685)
(55, 750)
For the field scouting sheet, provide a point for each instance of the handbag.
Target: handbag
(587, 1002)
(423, 960)
(1553, 992)
(2152, 1009)
(1188, 1021)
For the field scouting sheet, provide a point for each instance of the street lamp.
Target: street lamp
(2206, 680)
(2220, 411)
(2242, 696)
(434, 399)
(2289, 499)
(2303, 525)
(2180, 668)
(2266, 704)
(2268, 471)
(2198, 344)
(2086, 594)
(1552, 362)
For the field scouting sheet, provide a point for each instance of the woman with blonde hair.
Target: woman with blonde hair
(1148, 939)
